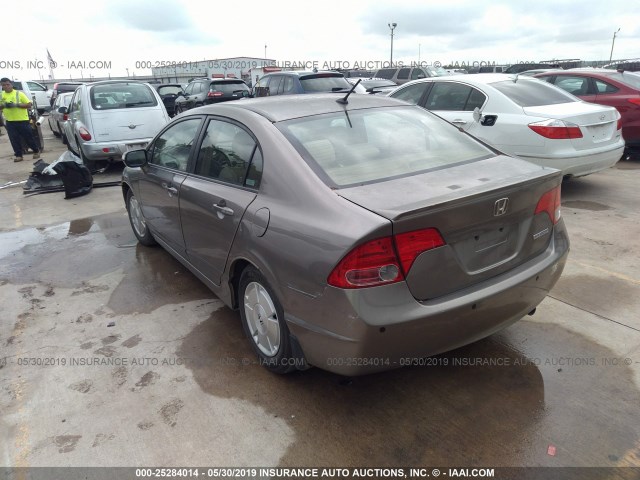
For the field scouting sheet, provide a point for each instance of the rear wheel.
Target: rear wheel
(90, 164)
(55, 134)
(138, 223)
(263, 322)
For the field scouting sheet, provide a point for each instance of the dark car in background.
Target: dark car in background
(291, 83)
(168, 93)
(63, 87)
(205, 91)
(605, 87)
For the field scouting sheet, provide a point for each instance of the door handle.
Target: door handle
(169, 188)
(223, 209)
(458, 121)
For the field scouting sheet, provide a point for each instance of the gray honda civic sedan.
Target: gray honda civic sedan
(355, 235)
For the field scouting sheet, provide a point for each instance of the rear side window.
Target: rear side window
(387, 73)
(449, 96)
(324, 83)
(110, 96)
(412, 93)
(378, 144)
(604, 87)
(417, 73)
(403, 73)
(532, 93)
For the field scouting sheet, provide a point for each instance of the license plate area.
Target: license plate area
(135, 146)
(487, 248)
(600, 133)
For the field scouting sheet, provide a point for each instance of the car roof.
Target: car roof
(478, 78)
(303, 73)
(286, 107)
(114, 82)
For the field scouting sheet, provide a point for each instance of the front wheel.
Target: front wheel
(138, 223)
(263, 322)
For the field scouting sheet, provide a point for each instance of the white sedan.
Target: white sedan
(524, 117)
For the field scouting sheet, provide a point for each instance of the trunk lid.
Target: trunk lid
(598, 123)
(485, 235)
(125, 124)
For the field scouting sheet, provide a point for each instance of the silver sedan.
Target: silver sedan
(354, 235)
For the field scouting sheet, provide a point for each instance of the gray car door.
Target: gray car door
(225, 180)
(164, 173)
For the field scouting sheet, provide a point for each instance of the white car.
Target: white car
(525, 117)
(41, 93)
(106, 119)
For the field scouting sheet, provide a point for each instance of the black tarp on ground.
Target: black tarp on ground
(70, 176)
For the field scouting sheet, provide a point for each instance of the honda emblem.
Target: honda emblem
(500, 207)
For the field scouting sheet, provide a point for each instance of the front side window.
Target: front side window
(35, 87)
(275, 84)
(573, 85)
(448, 96)
(226, 153)
(173, 147)
(378, 144)
(417, 73)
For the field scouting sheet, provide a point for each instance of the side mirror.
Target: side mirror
(63, 110)
(135, 158)
(476, 114)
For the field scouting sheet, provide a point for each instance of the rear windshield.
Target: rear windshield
(630, 79)
(533, 93)
(170, 90)
(324, 83)
(378, 144)
(229, 87)
(110, 96)
(66, 88)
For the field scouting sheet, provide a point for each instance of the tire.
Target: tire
(90, 164)
(263, 322)
(55, 134)
(138, 223)
(58, 133)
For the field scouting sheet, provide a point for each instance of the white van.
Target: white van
(108, 118)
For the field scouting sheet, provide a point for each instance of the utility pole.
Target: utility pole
(392, 26)
(613, 42)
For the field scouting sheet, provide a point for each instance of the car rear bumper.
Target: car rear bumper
(115, 150)
(354, 332)
(577, 166)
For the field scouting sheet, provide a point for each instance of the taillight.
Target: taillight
(556, 129)
(550, 203)
(214, 94)
(619, 126)
(635, 101)
(65, 117)
(412, 244)
(383, 260)
(84, 133)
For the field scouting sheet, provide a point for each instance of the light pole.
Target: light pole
(613, 42)
(392, 26)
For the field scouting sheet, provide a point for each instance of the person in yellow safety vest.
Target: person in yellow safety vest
(14, 105)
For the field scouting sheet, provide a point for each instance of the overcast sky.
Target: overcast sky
(124, 32)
